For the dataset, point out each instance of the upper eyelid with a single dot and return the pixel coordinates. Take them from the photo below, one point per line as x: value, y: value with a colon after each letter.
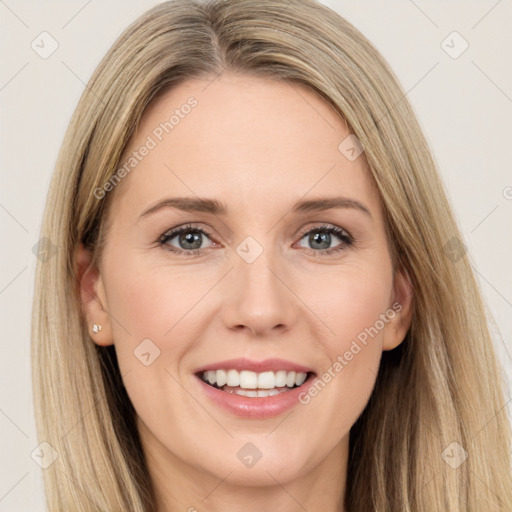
x: 319, y: 225
x: 171, y: 233
x: 324, y: 225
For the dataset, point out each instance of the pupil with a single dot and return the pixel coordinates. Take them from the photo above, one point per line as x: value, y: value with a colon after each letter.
x: 192, y: 237
x: 320, y: 238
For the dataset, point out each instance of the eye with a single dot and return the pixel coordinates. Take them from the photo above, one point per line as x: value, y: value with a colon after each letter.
x: 190, y: 240
x: 320, y: 239
x: 187, y: 239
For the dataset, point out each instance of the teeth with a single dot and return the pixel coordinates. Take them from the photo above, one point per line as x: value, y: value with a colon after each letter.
x: 300, y: 378
x: 220, y: 377
x: 248, y: 380
x: 266, y: 380
x: 233, y: 378
x: 259, y: 393
x: 210, y: 376
x: 281, y: 379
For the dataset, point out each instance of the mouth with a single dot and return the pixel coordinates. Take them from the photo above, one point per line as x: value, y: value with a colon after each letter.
x: 252, y: 384
x: 254, y: 389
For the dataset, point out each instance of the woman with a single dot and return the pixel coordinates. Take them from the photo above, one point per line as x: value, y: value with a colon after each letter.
x: 194, y: 348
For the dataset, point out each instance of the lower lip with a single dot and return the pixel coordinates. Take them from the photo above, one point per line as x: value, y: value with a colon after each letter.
x: 256, y: 407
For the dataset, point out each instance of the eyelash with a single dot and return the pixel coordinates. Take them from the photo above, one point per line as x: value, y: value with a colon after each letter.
x: 344, y: 236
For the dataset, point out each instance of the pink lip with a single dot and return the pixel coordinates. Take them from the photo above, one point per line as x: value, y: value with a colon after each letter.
x: 240, y: 364
x: 257, y: 407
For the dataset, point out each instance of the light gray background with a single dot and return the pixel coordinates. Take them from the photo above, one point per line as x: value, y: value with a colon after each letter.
x: 464, y: 105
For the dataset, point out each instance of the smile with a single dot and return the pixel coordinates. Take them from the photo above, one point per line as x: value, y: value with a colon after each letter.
x: 253, y: 384
x: 254, y: 389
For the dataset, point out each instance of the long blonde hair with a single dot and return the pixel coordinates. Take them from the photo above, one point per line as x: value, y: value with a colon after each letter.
x: 439, y: 387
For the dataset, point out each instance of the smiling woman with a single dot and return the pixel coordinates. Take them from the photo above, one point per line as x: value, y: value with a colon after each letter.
x: 264, y: 310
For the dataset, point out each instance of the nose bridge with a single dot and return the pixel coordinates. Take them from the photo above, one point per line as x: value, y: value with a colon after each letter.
x: 256, y: 277
x: 259, y: 299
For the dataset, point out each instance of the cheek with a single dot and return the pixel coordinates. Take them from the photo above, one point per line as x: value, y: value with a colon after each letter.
x: 157, y: 311
x: 353, y: 308
x: 152, y: 332
x: 153, y: 302
x: 349, y: 301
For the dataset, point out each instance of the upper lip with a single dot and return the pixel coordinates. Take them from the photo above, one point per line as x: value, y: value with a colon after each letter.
x: 240, y: 364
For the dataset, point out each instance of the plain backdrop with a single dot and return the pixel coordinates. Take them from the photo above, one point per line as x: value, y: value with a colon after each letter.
x: 453, y: 59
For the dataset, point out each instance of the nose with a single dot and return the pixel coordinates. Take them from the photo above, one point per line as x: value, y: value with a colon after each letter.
x: 259, y: 297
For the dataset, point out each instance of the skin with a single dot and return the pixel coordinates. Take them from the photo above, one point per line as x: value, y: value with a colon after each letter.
x: 259, y: 145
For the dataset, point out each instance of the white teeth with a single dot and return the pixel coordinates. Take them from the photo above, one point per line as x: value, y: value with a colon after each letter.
x: 233, y: 378
x: 260, y: 393
x: 300, y: 378
x: 248, y: 392
x: 280, y: 379
x: 211, y: 376
x: 248, y: 380
x: 221, y: 377
x: 266, y: 380
x: 270, y: 392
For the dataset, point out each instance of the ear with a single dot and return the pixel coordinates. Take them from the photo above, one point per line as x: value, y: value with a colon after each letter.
x: 402, y: 307
x: 93, y: 297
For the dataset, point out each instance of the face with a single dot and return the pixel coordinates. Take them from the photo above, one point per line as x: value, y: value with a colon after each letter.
x: 273, y: 278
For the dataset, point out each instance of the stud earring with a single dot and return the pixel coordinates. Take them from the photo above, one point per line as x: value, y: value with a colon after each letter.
x: 96, y: 328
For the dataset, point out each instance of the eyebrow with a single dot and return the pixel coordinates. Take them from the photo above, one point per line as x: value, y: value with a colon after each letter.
x: 192, y: 204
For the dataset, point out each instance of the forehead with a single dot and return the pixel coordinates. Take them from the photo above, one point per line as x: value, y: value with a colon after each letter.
x: 248, y: 139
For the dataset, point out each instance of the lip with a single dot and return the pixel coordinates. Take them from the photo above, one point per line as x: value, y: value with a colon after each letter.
x: 256, y: 407
x: 241, y: 363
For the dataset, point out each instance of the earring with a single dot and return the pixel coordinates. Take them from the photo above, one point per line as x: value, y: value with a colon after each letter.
x: 96, y: 328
